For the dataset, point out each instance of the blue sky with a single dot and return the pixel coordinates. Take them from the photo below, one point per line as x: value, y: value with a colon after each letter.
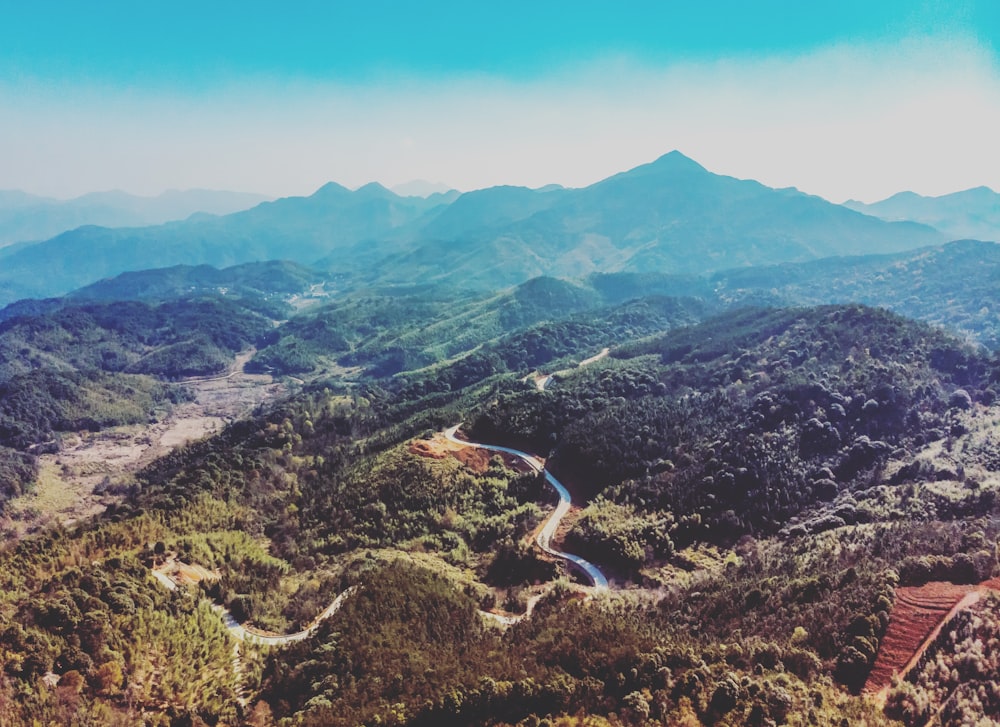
x: 840, y: 99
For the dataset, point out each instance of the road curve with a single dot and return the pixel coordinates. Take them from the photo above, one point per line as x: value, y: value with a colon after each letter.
x: 241, y: 633
x: 545, y: 536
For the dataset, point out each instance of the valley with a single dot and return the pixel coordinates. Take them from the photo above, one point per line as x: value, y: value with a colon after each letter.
x: 500, y: 365
x: 683, y: 492
x: 92, y: 470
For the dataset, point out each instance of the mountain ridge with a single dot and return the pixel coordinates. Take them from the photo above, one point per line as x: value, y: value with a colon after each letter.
x: 671, y: 215
x: 970, y: 213
x: 25, y: 216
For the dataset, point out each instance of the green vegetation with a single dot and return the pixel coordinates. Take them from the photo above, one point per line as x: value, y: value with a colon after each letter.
x: 669, y: 215
x: 761, y: 483
x: 252, y: 283
x: 89, y: 367
x: 115, y: 637
x: 757, y: 485
x: 953, y: 285
x: 464, y: 338
x: 740, y: 424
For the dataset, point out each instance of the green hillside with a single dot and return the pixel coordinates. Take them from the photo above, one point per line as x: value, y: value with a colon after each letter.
x: 670, y: 216
x: 757, y: 486
x: 98, y: 365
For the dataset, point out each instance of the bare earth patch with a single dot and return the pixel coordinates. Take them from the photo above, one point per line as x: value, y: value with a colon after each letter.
x: 917, y: 618
x: 477, y: 460
x: 180, y: 573
x: 93, y: 470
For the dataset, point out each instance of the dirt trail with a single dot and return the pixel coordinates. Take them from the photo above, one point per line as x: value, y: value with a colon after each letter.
x: 254, y: 636
x: 509, y: 619
x: 593, y: 359
x: 541, y: 380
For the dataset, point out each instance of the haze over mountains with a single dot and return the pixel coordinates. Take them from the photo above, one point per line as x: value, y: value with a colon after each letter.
x: 972, y: 213
x: 26, y: 216
x: 422, y: 188
x: 669, y: 216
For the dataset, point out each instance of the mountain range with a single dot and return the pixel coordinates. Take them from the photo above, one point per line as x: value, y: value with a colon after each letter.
x: 26, y: 216
x: 669, y: 216
x: 782, y: 493
x: 973, y: 213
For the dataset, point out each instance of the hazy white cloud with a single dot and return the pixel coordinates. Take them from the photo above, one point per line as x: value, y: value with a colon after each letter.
x: 861, y: 121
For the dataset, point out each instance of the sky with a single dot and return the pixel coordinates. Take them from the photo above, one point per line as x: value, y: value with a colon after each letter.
x: 842, y: 99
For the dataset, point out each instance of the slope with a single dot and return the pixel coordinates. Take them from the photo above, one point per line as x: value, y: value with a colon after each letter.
x: 322, y: 493
x: 28, y: 217
x: 972, y: 213
x: 300, y: 229
x: 670, y: 216
x: 952, y: 285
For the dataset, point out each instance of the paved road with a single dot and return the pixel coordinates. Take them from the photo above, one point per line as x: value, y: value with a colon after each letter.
x: 597, y: 578
x: 243, y: 634
x: 545, y: 536
x: 543, y: 380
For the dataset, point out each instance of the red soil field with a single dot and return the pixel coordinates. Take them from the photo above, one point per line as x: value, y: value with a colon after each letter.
x: 916, y: 617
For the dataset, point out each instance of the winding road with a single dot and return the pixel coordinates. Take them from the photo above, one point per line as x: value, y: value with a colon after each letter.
x: 544, y: 540
x: 241, y: 633
x: 545, y: 536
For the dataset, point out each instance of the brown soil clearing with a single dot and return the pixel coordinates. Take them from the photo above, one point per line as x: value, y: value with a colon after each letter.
x: 917, y: 617
x: 475, y: 458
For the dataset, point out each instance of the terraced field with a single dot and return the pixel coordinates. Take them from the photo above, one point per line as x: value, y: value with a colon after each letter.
x: 917, y: 617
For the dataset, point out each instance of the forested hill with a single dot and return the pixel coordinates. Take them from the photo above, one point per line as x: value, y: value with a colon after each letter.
x: 951, y: 285
x: 277, y: 279
x: 732, y: 419
x: 391, y: 330
x: 388, y: 332
x: 761, y: 482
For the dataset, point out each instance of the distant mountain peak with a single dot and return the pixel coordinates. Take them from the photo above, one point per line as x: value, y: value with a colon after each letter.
x: 331, y: 189
x: 981, y: 192
x: 971, y: 213
x: 675, y: 160
x: 374, y: 189
x: 670, y: 165
x: 907, y: 195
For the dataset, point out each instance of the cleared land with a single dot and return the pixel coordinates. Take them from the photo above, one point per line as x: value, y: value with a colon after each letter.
x: 917, y: 618
x: 93, y: 469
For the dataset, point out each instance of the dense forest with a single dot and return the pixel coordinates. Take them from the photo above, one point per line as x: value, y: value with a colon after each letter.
x: 756, y: 485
